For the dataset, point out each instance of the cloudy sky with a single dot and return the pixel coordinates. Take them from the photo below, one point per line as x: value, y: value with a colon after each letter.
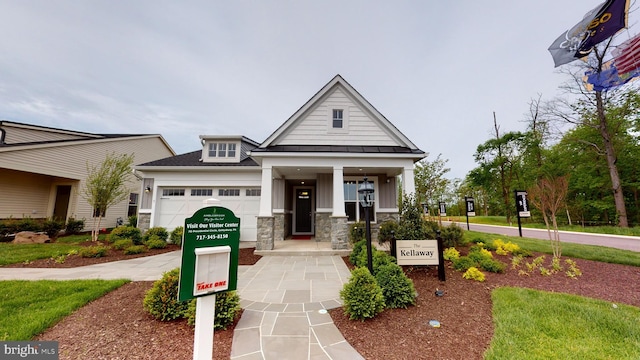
x: 437, y: 70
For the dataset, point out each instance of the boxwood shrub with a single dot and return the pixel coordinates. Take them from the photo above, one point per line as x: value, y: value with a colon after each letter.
x: 397, y: 288
x: 362, y: 296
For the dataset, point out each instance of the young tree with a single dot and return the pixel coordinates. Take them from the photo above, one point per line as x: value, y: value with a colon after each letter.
x: 548, y: 195
x: 431, y: 185
x: 106, y: 185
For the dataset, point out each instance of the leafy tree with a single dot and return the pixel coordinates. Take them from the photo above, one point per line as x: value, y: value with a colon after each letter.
x: 106, y: 185
x: 548, y: 195
x: 430, y: 182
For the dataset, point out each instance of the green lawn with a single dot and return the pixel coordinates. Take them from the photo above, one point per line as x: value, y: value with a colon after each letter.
x: 531, y: 324
x: 18, y: 253
x: 27, y: 308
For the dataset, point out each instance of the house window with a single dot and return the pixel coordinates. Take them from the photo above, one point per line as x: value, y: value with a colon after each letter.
x: 222, y: 150
x: 201, y: 192
x: 229, y: 192
x: 337, y: 118
x: 253, y: 192
x: 133, y: 204
x: 352, y: 207
x: 172, y: 192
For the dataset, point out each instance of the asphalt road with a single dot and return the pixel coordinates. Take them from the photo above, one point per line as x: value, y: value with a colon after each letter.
x: 615, y: 241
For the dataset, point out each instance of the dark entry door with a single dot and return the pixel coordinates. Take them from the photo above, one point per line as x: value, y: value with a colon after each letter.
x: 304, y: 211
x: 63, y: 192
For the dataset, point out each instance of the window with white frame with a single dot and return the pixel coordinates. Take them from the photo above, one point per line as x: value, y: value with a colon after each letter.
x: 229, y: 192
x: 337, y: 119
x: 253, y: 192
x: 172, y: 192
x: 222, y: 150
x: 352, y: 206
x: 201, y: 192
x: 133, y: 204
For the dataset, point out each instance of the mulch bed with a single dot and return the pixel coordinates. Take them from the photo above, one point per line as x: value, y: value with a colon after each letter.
x: 116, y: 327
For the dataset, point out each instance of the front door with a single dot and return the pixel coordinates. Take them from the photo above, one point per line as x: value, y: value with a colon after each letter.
x: 303, y: 212
x: 61, y: 206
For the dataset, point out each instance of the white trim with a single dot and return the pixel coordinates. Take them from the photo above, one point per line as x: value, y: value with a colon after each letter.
x: 338, y: 155
x: 325, y: 210
x: 62, y: 143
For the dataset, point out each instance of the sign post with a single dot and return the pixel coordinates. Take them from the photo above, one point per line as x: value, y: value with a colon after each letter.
x: 209, y: 265
x: 470, y: 208
x: 522, y: 207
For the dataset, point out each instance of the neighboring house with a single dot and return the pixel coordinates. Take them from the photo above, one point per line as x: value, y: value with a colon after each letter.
x: 43, y: 169
x: 300, y: 182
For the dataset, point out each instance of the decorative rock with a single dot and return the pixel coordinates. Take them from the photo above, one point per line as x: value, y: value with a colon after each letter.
x: 29, y: 237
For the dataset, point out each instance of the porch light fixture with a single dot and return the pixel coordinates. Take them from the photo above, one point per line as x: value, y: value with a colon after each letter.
x: 147, y: 189
x: 366, y: 191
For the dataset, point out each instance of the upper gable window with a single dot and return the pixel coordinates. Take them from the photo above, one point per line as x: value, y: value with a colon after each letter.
x: 222, y: 151
x: 337, y: 118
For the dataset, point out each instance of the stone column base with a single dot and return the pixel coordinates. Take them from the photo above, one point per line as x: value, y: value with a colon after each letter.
x: 323, y: 227
x: 265, y: 233
x: 339, y: 233
x: 144, y: 222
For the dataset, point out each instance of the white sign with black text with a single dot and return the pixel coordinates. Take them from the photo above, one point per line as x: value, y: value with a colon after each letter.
x: 417, y: 252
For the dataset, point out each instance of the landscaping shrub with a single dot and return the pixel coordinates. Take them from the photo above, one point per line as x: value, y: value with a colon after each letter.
x: 135, y: 249
x: 122, y: 244
x: 463, y: 263
x: 8, y: 226
x: 521, y: 253
x: 412, y: 225
x: 474, y: 274
x: 450, y: 254
x: 93, y: 251
x: 430, y: 229
x: 52, y: 227
x: 493, y: 266
x: 176, y: 235
x: 387, y: 231
x: 357, y: 232
x: 362, y: 296
x: 28, y: 224
x: 73, y: 226
x: 157, y: 231
x: 161, y: 301
x: 397, y: 288
x: 358, y: 248
x: 452, y: 235
x: 126, y: 232
x: 155, y: 242
x: 227, y: 308
x: 132, y: 221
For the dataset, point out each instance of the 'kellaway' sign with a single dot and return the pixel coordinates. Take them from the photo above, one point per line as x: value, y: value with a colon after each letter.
x: 417, y: 252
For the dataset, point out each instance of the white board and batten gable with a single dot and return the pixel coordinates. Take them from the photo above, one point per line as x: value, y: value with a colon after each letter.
x: 337, y: 116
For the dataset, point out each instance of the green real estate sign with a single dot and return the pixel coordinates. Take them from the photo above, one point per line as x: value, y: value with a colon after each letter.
x: 210, y: 246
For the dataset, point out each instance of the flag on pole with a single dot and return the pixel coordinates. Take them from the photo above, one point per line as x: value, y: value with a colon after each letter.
x: 597, y: 25
x: 627, y: 56
x: 611, y: 18
x: 608, y: 77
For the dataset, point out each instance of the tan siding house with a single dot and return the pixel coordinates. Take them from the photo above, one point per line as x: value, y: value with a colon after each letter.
x: 42, y: 170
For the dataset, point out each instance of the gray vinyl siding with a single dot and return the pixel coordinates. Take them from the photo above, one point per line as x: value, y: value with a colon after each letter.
x: 388, y: 193
x: 24, y: 194
x: 316, y: 127
x: 324, y: 186
x: 16, y: 135
x: 146, y: 197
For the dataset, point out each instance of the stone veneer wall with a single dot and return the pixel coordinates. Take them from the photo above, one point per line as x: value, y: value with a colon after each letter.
x: 279, y: 227
x: 144, y: 222
x: 265, y: 233
x: 382, y: 217
x: 323, y: 227
x: 339, y: 233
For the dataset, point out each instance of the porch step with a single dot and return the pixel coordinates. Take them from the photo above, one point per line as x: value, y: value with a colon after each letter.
x: 302, y: 252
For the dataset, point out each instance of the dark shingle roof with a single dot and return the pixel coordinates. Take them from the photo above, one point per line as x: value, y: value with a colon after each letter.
x: 193, y: 159
x: 340, y: 149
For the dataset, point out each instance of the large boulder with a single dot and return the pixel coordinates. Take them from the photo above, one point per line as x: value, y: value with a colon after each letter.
x: 29, y: 237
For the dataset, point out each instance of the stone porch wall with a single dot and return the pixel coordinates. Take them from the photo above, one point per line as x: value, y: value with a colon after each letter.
x: 323, y: 227
x: 144, y: 222
x: 265, y: 233
x: 339, y: 233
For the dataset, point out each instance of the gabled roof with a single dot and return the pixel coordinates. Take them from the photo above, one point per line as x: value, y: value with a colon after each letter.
x: 52, y: 137
x: 338, y: 82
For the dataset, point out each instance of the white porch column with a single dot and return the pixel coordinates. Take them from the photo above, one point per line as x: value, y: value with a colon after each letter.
x: 408, y: 182
x: 266, y: 192
x: 338, y: 192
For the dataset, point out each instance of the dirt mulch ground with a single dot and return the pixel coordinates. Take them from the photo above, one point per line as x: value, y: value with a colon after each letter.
x: 116, y: 327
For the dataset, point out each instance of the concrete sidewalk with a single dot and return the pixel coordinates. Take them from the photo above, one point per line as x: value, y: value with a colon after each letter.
x: 284, y: 298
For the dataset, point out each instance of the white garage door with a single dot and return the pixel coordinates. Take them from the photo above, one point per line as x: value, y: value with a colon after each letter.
x: 176, y: 204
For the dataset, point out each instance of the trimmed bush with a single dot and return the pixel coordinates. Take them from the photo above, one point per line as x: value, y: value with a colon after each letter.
x: 155, y: 242
x: 161, y: 301
x: 176, y: 235
x: 358, y: 248
x: 493, y: 266
x: 52, y: 227
x: 362, y: 296
x: 125, y: 232
x: 227, y: 309
x: 28, y: 224
x: 93, y: 251
x: 387, y: 231
x: 122, y: 244
x: 474, y: 274
x: 452, y: 235
x: 132, y: 221
x: 463, y: 263
x: 397, y: 288
x: 450, y: 254
x: 357, y: 232
x: 135, y: 249
x: 157, y: 231
x: 74, y: 226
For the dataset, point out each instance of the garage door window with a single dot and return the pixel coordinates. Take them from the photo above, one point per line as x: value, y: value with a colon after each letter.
x: 253, y: 192
x: 229, y: 192
x: 201, y: 192
x: 172, y: 192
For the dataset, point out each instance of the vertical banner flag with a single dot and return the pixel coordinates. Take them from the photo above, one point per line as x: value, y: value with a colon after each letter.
x: 471, y: 207
x: 522, y: 204
x: 596, y: 25
x: 627, y: 56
